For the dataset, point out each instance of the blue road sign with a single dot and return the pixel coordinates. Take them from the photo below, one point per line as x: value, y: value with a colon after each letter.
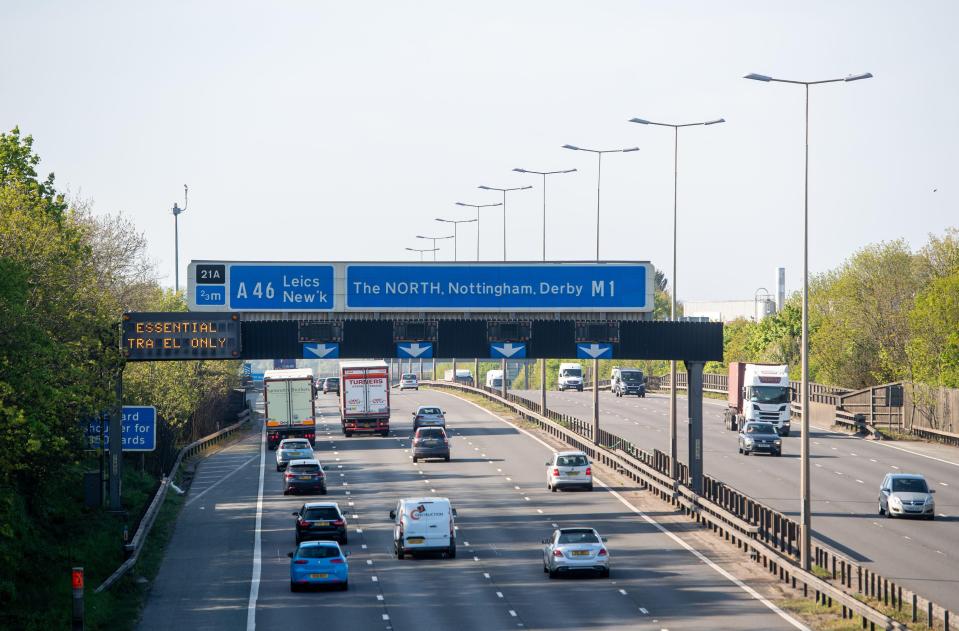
x: 592, y: 350
x: 139, y: 429
x: 256, y: 376
x: 319, y: 350
x: 507, y: 350
x: 281, y: 287
x: 503, y: 287
x: 414, y: 350
x: 247, y: 369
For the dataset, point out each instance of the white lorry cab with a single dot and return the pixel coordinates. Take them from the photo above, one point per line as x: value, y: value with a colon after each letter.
x: 424, y: 524
x: 759, y: 392
x: 570, y: 377
x: 494, y: 379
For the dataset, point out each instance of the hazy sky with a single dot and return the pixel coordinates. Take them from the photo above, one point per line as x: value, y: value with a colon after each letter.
x: 340, y: 130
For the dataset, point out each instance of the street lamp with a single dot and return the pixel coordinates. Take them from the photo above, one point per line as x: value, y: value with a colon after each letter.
x: 477, y: 207
x: 544, y: 174
x: 176, y: 238
x: 599, y: 176
x: 421, y: 250
x: 456, y: 223
x: 434, y: 240
x: 672, y: 304
x: 504, y: 191
x: 804, y: 538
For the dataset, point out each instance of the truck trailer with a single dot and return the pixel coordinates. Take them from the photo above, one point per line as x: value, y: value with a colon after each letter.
x: 289, y: 408
x: 365, y: 398
x: 758, y: 392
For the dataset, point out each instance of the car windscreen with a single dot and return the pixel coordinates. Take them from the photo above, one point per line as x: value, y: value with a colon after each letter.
x: 909, y: 485
x: 297, y: 445
x: 409, y: 376
x: 578, y: 536
x: 769, y: 394
x: 333, y: 381
x: 327, y: 513
x: 572, y: 372
x: 430, y: 433
x: 430, y: 411
x: 318, y: 552
x: 305, y: 468
x: 760, y: 428
x: 571, y: 461
x: 631, y: 376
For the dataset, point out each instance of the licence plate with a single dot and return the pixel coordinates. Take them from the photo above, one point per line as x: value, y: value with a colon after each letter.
x: 306, y: 477
x: 580, y: 553
x: 415, y: 540
x: 572, y: 473
x: 321, y: 523
x: 319, y: 575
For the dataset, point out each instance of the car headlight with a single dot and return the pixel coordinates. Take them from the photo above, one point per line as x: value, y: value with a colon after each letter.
x: 777, y: 442
x: 748, y: 441
x: 928, y: 500
x: 895, y: 501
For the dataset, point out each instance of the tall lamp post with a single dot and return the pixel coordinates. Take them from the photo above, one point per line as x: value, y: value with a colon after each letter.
x: 421, y: 250
x: 599, y: 177
x: 544, y: 174
x: 672, y: 303
x: 804, y: 537
x: 456, y: 223
x: 434, y: 240
x: 504, y: 191
x: 176, y: 238
x: 477, y: 207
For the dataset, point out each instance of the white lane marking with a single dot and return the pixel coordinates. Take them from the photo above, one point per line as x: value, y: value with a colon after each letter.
x: 709, y: 562
x: 916, y: 453
x: 379, y: 596
x: 539, y: 510
x: 485, y: 574
x: 516, y: 487
x: 851, y: 454
x: 257, y: 542
x: 215, y: 484
x: 363, y: 546
x: 860, y: 481
x: 894, y: 467
x: 872, y: 460
x: 369, y: 561
x: 476, y: 558
x: 623, y: 592
x: 512, y: 613
x: 526, y: 498
x: 643, y: 611
x: 554, y: 525
x: 386, y: 616
x: 499, y: 594
x: 943, y: 484
x: 375, y: 579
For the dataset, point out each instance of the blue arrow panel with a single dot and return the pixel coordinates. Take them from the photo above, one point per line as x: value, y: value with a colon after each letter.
x: 507, y: 350
x: 414, y: 350
x: 319, y: 350
x: 592, y: 350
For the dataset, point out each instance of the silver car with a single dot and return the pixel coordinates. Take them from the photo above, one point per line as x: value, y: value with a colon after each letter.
x: 906, y: 494
x: 569, y: 469
x: 575, y: 550
x: 428, y: 416
x: 292, y: 449
x: 410, y: 381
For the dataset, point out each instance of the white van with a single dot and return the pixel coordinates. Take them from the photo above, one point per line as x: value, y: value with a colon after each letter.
x: 494, y: 379
x: 570, y: 377
x: 424, y: 524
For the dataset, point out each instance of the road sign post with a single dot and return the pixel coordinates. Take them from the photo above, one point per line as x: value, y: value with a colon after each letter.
x: 595, y: 401
x: 504, y: 388
x: 694, y: 394
x: 116, y: 447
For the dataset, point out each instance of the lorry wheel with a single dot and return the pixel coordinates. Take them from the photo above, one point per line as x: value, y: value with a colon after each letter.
x: 384, y: 434
x: 785, y: 434
x: 348, y: 434
x: 414, y: 458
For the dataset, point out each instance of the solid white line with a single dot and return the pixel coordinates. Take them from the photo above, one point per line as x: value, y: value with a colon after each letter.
x: 257, y: 542
x: 709, y: 562
x: 215, y: 484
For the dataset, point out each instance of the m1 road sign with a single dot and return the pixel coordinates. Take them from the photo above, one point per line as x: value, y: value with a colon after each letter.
x: 424, y: 287
x: 139, y: 429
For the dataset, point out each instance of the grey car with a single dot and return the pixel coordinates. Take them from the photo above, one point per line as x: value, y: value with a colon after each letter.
x: 760, y: 438
x: 571, y: 550
x: 431, y: 442
x: 905, y: 495
x: 428, y: 416
x: 292, y: 449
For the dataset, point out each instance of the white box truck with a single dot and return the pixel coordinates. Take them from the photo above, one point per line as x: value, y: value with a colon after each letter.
x: 494, y: 379
x: 570, y: 377
x: 365, y: 398
x: 758, y: 392
x: 289, y: 408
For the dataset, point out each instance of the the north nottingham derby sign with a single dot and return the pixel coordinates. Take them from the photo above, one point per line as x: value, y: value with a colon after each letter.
x: 435, y: 287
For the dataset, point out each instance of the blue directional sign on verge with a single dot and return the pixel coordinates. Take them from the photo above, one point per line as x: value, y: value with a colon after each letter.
x: 247, y: 369
x: 139, y: 429
x: 414, y: 350
x: 593, y: 350
x: 256, y: 376
x: 507, y: 350
x: 319, y: 350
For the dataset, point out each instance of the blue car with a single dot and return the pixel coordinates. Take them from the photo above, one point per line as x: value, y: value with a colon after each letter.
x: 319, y: 563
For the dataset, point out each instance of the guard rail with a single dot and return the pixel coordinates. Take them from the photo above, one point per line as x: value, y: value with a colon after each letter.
x: 135, y: 546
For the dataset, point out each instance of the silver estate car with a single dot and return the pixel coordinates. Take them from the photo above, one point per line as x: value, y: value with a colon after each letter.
x: 575, y: 549
x: 906, y: 494
x: 292, y: 449
x: 569, y: 469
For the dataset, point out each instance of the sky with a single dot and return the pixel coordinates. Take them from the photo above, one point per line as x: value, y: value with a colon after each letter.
x: 338, y: 131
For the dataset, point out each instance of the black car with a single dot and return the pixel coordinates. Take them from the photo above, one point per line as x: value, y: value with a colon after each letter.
x: 331, y: 384
x: 760, y: 438
x: 304, y: 476
x: 431, y: 442
x: 320, y: 520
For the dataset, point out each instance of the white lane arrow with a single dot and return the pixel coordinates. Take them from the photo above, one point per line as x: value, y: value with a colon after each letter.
x: 508, y: 350
x: 415, y: 350
x: 594, y: 350
x: 321, y: 350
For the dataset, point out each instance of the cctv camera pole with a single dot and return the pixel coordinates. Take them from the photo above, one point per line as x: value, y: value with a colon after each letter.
x: 176, y: 238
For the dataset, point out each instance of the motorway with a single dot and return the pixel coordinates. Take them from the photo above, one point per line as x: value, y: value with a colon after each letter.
x: 208, y: 578
x: 845, y: 476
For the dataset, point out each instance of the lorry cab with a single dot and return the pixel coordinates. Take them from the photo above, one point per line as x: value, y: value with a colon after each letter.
x: 494, y: 379
x: 424, y: 524
x: 759, y: 392
x: 570, y: 377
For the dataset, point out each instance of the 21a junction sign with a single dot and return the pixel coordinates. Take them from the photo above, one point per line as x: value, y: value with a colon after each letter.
x: 149, y: 336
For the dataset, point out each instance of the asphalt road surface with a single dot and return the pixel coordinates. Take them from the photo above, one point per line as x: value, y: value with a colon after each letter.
x: 845, y: 476
x: 495, y: 480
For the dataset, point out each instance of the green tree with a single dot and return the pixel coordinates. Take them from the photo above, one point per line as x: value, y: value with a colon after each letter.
x: 933, y: 346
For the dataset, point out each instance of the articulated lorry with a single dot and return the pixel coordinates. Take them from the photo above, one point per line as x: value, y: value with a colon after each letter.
x: 758, y: 392
x: 365, y: 398
x: 289, y: 407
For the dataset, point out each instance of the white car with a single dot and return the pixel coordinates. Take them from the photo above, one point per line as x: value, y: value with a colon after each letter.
x: 292, y: 449
x: 575, y: 549
x: 410, y: 381
x: 569, y: 469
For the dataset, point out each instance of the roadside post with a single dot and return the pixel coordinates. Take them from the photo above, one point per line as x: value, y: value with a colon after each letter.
x: 76, y: 578
x: 694, y: 394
